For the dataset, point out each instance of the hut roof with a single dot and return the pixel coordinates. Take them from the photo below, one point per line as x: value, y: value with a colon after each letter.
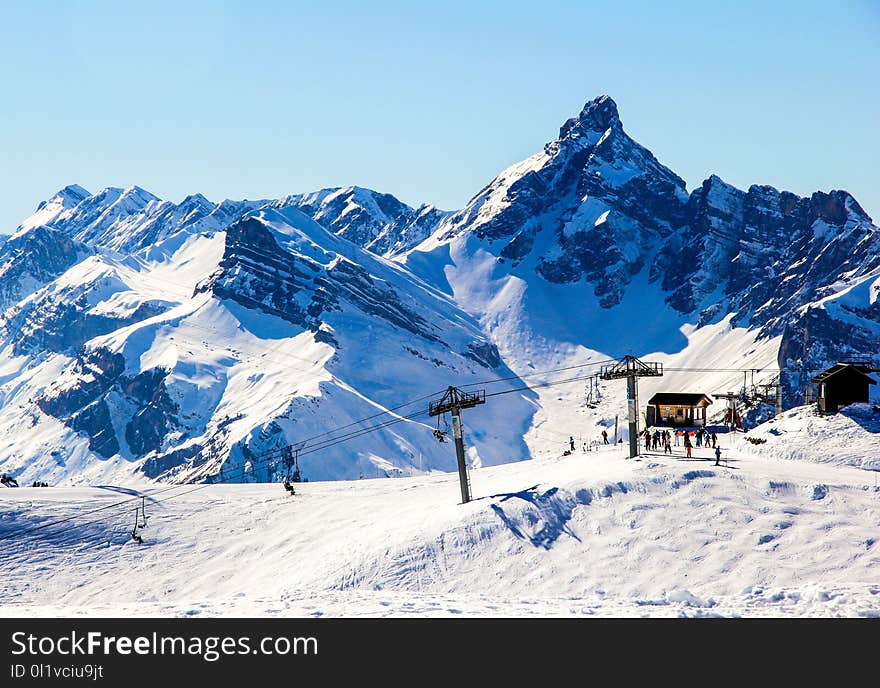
x: 679, y: 399
x: 840, y: 367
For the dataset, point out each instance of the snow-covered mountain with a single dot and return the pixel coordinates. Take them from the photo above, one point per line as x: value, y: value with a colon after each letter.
x: 376, y: 221
x: 148, y: 339
x: 594, y: 243
x: 206, y: 349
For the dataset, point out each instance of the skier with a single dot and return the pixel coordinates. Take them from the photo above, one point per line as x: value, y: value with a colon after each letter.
x: 571, y: 442
x: 647, y: 440
x: 714, y: 440
x: 585, y: 447
x: 677, y: 438
x: 717, y: 456
x: 667, y: 443
x: 687, y: 443
x: 605, y: 436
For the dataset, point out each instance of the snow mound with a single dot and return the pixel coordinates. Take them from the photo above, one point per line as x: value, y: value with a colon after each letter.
x: 848, y: 438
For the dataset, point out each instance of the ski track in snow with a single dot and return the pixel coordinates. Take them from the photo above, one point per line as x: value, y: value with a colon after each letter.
x: 592, y: 534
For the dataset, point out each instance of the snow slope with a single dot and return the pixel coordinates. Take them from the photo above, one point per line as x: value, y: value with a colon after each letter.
x: 589, y: 534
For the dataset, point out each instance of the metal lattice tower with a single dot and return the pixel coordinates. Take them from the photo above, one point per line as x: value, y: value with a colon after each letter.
x: 452, y: 402
x: 632, y: 369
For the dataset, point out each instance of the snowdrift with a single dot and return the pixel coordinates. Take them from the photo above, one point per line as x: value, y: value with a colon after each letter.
x: 848, y: 438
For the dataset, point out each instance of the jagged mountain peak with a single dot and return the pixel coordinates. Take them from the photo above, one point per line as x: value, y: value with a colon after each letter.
x: 372, y: 219
x: 74, y: 193
x: 64, y: 200
x: 836, y: 205
x: 593, y: 203
x: 597, y: 115
x: 138, y: 192
x: 197, y: 198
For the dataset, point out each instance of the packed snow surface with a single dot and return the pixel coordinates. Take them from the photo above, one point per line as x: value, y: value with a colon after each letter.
x: 848, y: 438
x: 592, y: 533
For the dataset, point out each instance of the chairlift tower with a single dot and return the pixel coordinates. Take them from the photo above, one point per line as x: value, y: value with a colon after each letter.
x: 632, y: 369
x: 452, y: 402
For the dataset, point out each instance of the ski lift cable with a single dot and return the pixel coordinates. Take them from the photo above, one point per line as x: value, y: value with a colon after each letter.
x: 273, y: 454
x: 270, y: 455
x: 335, y: 440
x: 321, y: 446
x: 165, y: 490
x: 200, y: 486
x: 591, y: 364
x: 316, y: 448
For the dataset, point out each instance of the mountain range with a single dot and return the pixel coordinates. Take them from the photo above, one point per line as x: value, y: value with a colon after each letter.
x: 150, y: 340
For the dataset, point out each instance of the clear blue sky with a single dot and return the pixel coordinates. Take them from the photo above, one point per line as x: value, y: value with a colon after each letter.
x: 426, y: 100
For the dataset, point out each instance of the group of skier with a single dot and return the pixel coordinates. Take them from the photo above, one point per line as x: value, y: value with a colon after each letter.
x: 681, y: 438
x: 657, y: 440
x: 570, y: 451
x: 687, y: 438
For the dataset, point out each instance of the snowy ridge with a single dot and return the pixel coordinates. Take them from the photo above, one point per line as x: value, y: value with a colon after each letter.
x: 376, y: 221
x: 232, y: 344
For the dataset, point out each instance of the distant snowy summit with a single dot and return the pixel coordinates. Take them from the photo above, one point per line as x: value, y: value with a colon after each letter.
x: 126, y: 220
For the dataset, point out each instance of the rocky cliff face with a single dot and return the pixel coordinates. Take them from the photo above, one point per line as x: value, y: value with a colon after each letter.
x: 257, y: 272
x: 407, y: 231
x: 98, y: 397
x: 763, y: 253
x: 32, y: 258
x: 596, y: 208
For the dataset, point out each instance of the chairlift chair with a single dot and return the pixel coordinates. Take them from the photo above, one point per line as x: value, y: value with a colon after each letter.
x: 297, y: 476
x: 134, y: 531
x: 441, y: 434
x: 143, y: 513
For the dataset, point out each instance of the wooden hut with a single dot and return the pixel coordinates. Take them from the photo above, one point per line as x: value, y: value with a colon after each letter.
x: 842, y: 384
x: 678, y: 409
